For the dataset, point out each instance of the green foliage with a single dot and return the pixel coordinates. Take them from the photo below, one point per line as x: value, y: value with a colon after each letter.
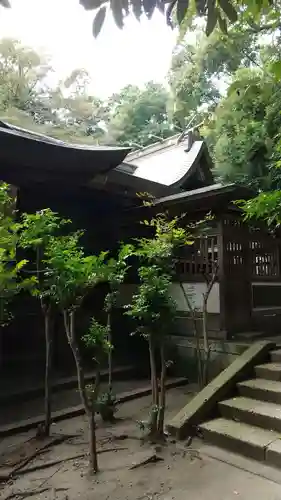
x: 71, y: 273
x: 244, y: 132
x: 265, y: 207
x: 116, y: 272
x: 35, y: 232
x: 218, y: 13
x: 69, y: 111
x: 138, y: 117
x: 152, y: 306
x: 198, y: 66
x: 37, y: 229
x: 97, y: 337
x: 11, y: 280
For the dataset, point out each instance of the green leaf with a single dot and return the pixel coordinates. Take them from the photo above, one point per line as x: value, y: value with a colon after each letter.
x: 212, y: 17
x: 137, y: 8
x: 90, y: 4
x: 149, y: 7
x: 125, y: 6
x: 160, y: 6
x: 182, y: 6
x: 200, y: 6
x: 275, y: 69
x: 222, y: 23
x: 5, y: 3
x: 228, y: 9
x: 116, y: 7
x: 98, y: 21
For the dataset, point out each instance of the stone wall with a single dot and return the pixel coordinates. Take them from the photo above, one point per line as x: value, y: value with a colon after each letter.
x: 182, y: 352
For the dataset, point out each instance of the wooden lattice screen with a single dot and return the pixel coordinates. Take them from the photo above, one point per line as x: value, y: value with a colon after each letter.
x: 200, y: 258
x: 250, y: 251
x: 247, y: 253
x: 264, y: 256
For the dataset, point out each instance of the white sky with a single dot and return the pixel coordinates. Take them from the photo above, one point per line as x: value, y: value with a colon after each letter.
x: 138, y: 53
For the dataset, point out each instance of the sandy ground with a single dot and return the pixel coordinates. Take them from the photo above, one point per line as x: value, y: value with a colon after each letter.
x: 187, y: 472
x: 60, y: 400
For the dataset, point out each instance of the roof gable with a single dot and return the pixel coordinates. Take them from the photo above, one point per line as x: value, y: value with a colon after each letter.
x: 180, y: 162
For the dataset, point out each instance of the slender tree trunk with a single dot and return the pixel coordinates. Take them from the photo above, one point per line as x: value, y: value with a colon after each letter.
x: 48, y: 369
x: 110, y: 350
x: 93, y: 442
x: 205, y: 340
x: 92, y: 427
x: 162, y: 400
x: 69, y: 324
x: 196, y: 336
x: 154, y: 388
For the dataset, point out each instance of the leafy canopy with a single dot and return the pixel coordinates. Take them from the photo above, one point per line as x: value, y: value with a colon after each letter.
x: 116, y: 270
x: 153, y: 306
x: 11, y: 280
x: 72, y: 274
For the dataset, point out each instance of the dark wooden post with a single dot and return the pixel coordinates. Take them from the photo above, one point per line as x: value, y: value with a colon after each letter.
x: 222, y: 277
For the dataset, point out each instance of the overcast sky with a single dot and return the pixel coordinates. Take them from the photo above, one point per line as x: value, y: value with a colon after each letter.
x: 139, y: 53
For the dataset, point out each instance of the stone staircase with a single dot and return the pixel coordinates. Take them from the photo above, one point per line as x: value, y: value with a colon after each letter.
x: 250, y: 423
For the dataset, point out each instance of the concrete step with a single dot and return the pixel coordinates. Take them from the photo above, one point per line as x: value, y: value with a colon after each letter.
x: 276, y: 356
x: 249, y: 336
x: 238, y: 437
x: 253, y: 412
x: 262, y: 389
x: 269, y: 371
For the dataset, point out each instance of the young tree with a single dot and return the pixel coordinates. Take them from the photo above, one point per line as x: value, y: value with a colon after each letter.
x: 210, y: 279
x: 152, y: 306
x: 35, y: 231
x: 72, y: 275
x: 97, y: 340
x: 116, y: 273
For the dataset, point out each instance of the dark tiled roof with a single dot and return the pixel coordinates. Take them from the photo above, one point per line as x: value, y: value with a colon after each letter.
x: 204, y: 192
x: 26, y: 156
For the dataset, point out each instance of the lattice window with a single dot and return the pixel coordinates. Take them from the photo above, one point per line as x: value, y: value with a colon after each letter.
x: 234, y: 257
x: 264, y: 257
x: 200, y: 258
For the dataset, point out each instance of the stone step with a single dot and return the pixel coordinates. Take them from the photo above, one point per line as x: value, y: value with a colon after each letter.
x: 269, y: 371
x: 262, y: 389
x: 238, y: 437
x: 253, y: 412
x: 276, y: 356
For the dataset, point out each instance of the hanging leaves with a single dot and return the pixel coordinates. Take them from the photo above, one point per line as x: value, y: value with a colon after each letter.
x: 125, y: 6
x: 182, y: 6
x: 160, y: 5
x: 137, y: 8
x: 5, y: 3
x: 91, y: 4
x: 228, y: 9
x: 149, y: 7
x: 222, y: 23
x: 98, y: 21
x: 212, y: 17
x: 116, y: 7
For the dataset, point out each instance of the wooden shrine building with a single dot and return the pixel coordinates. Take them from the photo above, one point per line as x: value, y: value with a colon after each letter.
x: 97, y: 188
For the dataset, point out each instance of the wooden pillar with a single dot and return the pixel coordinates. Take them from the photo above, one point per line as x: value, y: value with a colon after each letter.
x: 236, y: 276
x: 222, y: 277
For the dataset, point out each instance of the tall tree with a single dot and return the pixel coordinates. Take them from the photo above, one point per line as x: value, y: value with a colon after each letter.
x: 200, y: 71
x: 245, y: 128
x: 138, y: 117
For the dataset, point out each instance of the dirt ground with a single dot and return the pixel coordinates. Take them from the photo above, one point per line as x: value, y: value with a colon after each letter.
x: 187, y: 471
